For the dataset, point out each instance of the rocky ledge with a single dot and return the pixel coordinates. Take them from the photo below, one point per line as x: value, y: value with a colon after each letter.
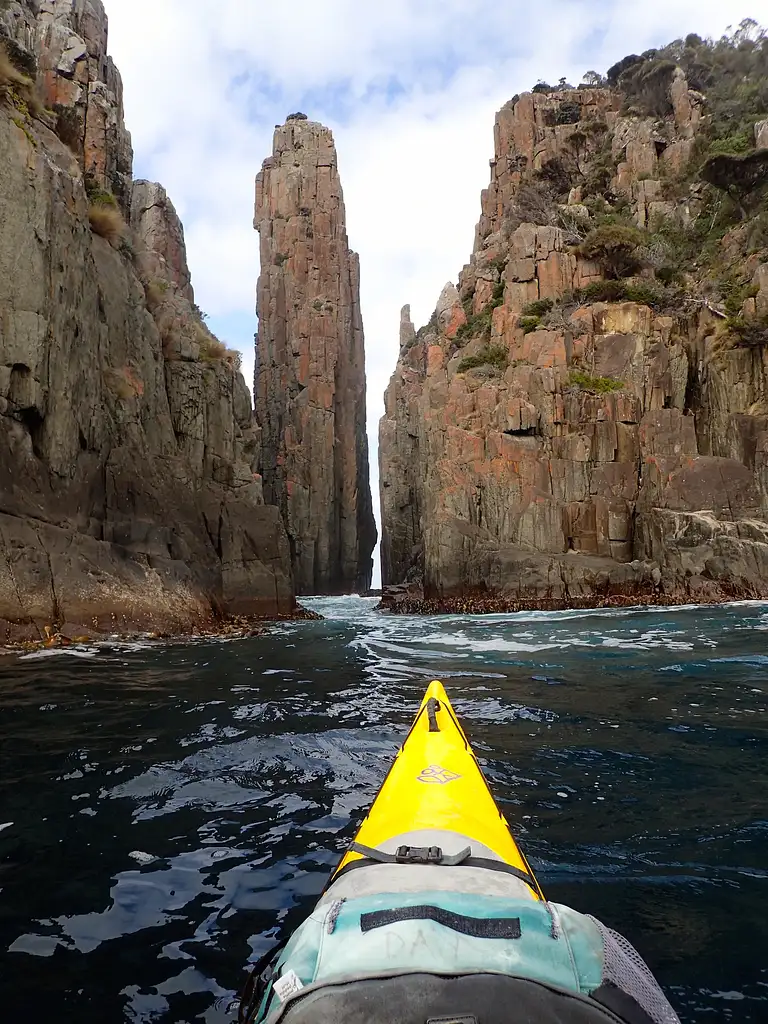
x: 641, y: 584
x: 231, y: 628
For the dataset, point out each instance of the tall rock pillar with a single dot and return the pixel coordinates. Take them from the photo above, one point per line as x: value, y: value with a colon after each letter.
x: 310, y: 364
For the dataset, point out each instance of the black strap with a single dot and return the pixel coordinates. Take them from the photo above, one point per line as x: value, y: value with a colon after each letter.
x: 433, y: 706
x: 413, y: 855
x: 621, y: 1003
x: 477, y: 927
x: 256, y: 984
x: 373, y: 856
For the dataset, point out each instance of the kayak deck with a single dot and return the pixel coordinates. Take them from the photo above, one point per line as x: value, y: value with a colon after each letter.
x: 435, y: 784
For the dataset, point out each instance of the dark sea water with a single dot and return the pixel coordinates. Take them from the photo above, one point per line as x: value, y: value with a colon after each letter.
x: 167, y: 812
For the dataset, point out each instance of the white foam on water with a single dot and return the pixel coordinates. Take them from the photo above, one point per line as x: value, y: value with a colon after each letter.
x: 56, y: 652
x: 141, y: 857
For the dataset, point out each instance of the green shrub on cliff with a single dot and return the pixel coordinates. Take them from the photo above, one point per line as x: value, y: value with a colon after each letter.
x: 739, y: 175
x: 615, y: 247
x: 477, y: 325
x: 529, y: 323
x: 646, y: 87
x: 97, y: 195
x: 532, y: 314
x: 733, y: 74
x: 539, y: 307
x: 741, y: 140
x: 669, y: 275
x: 602, y: 291
x: 735, y: 293
x: 749, y: 332
x: 731, y: 71
x: 644, y: 293
x: 494, y: 356
x: 698, y: 243
x: 595, y: 385
x: 601, y: 169
x: 739, y: 332
x: 535, y: 202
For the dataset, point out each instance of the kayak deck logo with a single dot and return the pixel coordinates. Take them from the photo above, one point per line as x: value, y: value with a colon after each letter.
x: 436, y: 775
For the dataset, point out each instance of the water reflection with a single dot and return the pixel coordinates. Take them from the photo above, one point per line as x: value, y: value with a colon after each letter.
x: 166, y: 812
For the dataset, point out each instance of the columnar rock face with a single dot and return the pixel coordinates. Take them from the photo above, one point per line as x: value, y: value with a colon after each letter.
x: 548, y: 449
x: 310, y: 364
x: 129, y: 496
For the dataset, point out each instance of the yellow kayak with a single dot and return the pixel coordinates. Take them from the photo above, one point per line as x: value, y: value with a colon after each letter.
x: 434, y: 915
x: 436, y: 784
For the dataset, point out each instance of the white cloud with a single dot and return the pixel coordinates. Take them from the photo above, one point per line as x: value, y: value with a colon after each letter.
x: 410, y: 89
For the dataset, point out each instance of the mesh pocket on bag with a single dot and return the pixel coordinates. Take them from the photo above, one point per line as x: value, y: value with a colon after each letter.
x: 625, y: 968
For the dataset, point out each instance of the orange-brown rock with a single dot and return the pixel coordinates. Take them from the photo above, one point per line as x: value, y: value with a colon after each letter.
x: 603, y: 453
x: 310, y: 364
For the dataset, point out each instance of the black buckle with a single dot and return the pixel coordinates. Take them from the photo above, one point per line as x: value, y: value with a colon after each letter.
x: 418, y: 855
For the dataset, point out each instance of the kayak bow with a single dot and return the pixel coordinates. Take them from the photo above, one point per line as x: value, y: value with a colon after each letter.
x: 434, y: 915
x: 436, y: 788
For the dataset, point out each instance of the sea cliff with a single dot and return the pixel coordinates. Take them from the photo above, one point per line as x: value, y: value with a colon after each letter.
x: 130, y: 486
x: 584, y: 419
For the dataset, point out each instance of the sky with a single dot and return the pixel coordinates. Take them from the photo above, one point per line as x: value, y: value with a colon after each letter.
x: 409, y: 88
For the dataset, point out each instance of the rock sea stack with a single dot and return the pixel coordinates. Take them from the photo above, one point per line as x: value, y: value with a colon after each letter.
x: 310, y: 365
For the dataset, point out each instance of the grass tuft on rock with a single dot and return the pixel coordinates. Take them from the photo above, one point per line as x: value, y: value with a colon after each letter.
x: 533, y: 313
x: 107, y: 222
x: 595, y: 385
x: 212, y: 350
x: 10, y: 76
x: 19, y: 88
